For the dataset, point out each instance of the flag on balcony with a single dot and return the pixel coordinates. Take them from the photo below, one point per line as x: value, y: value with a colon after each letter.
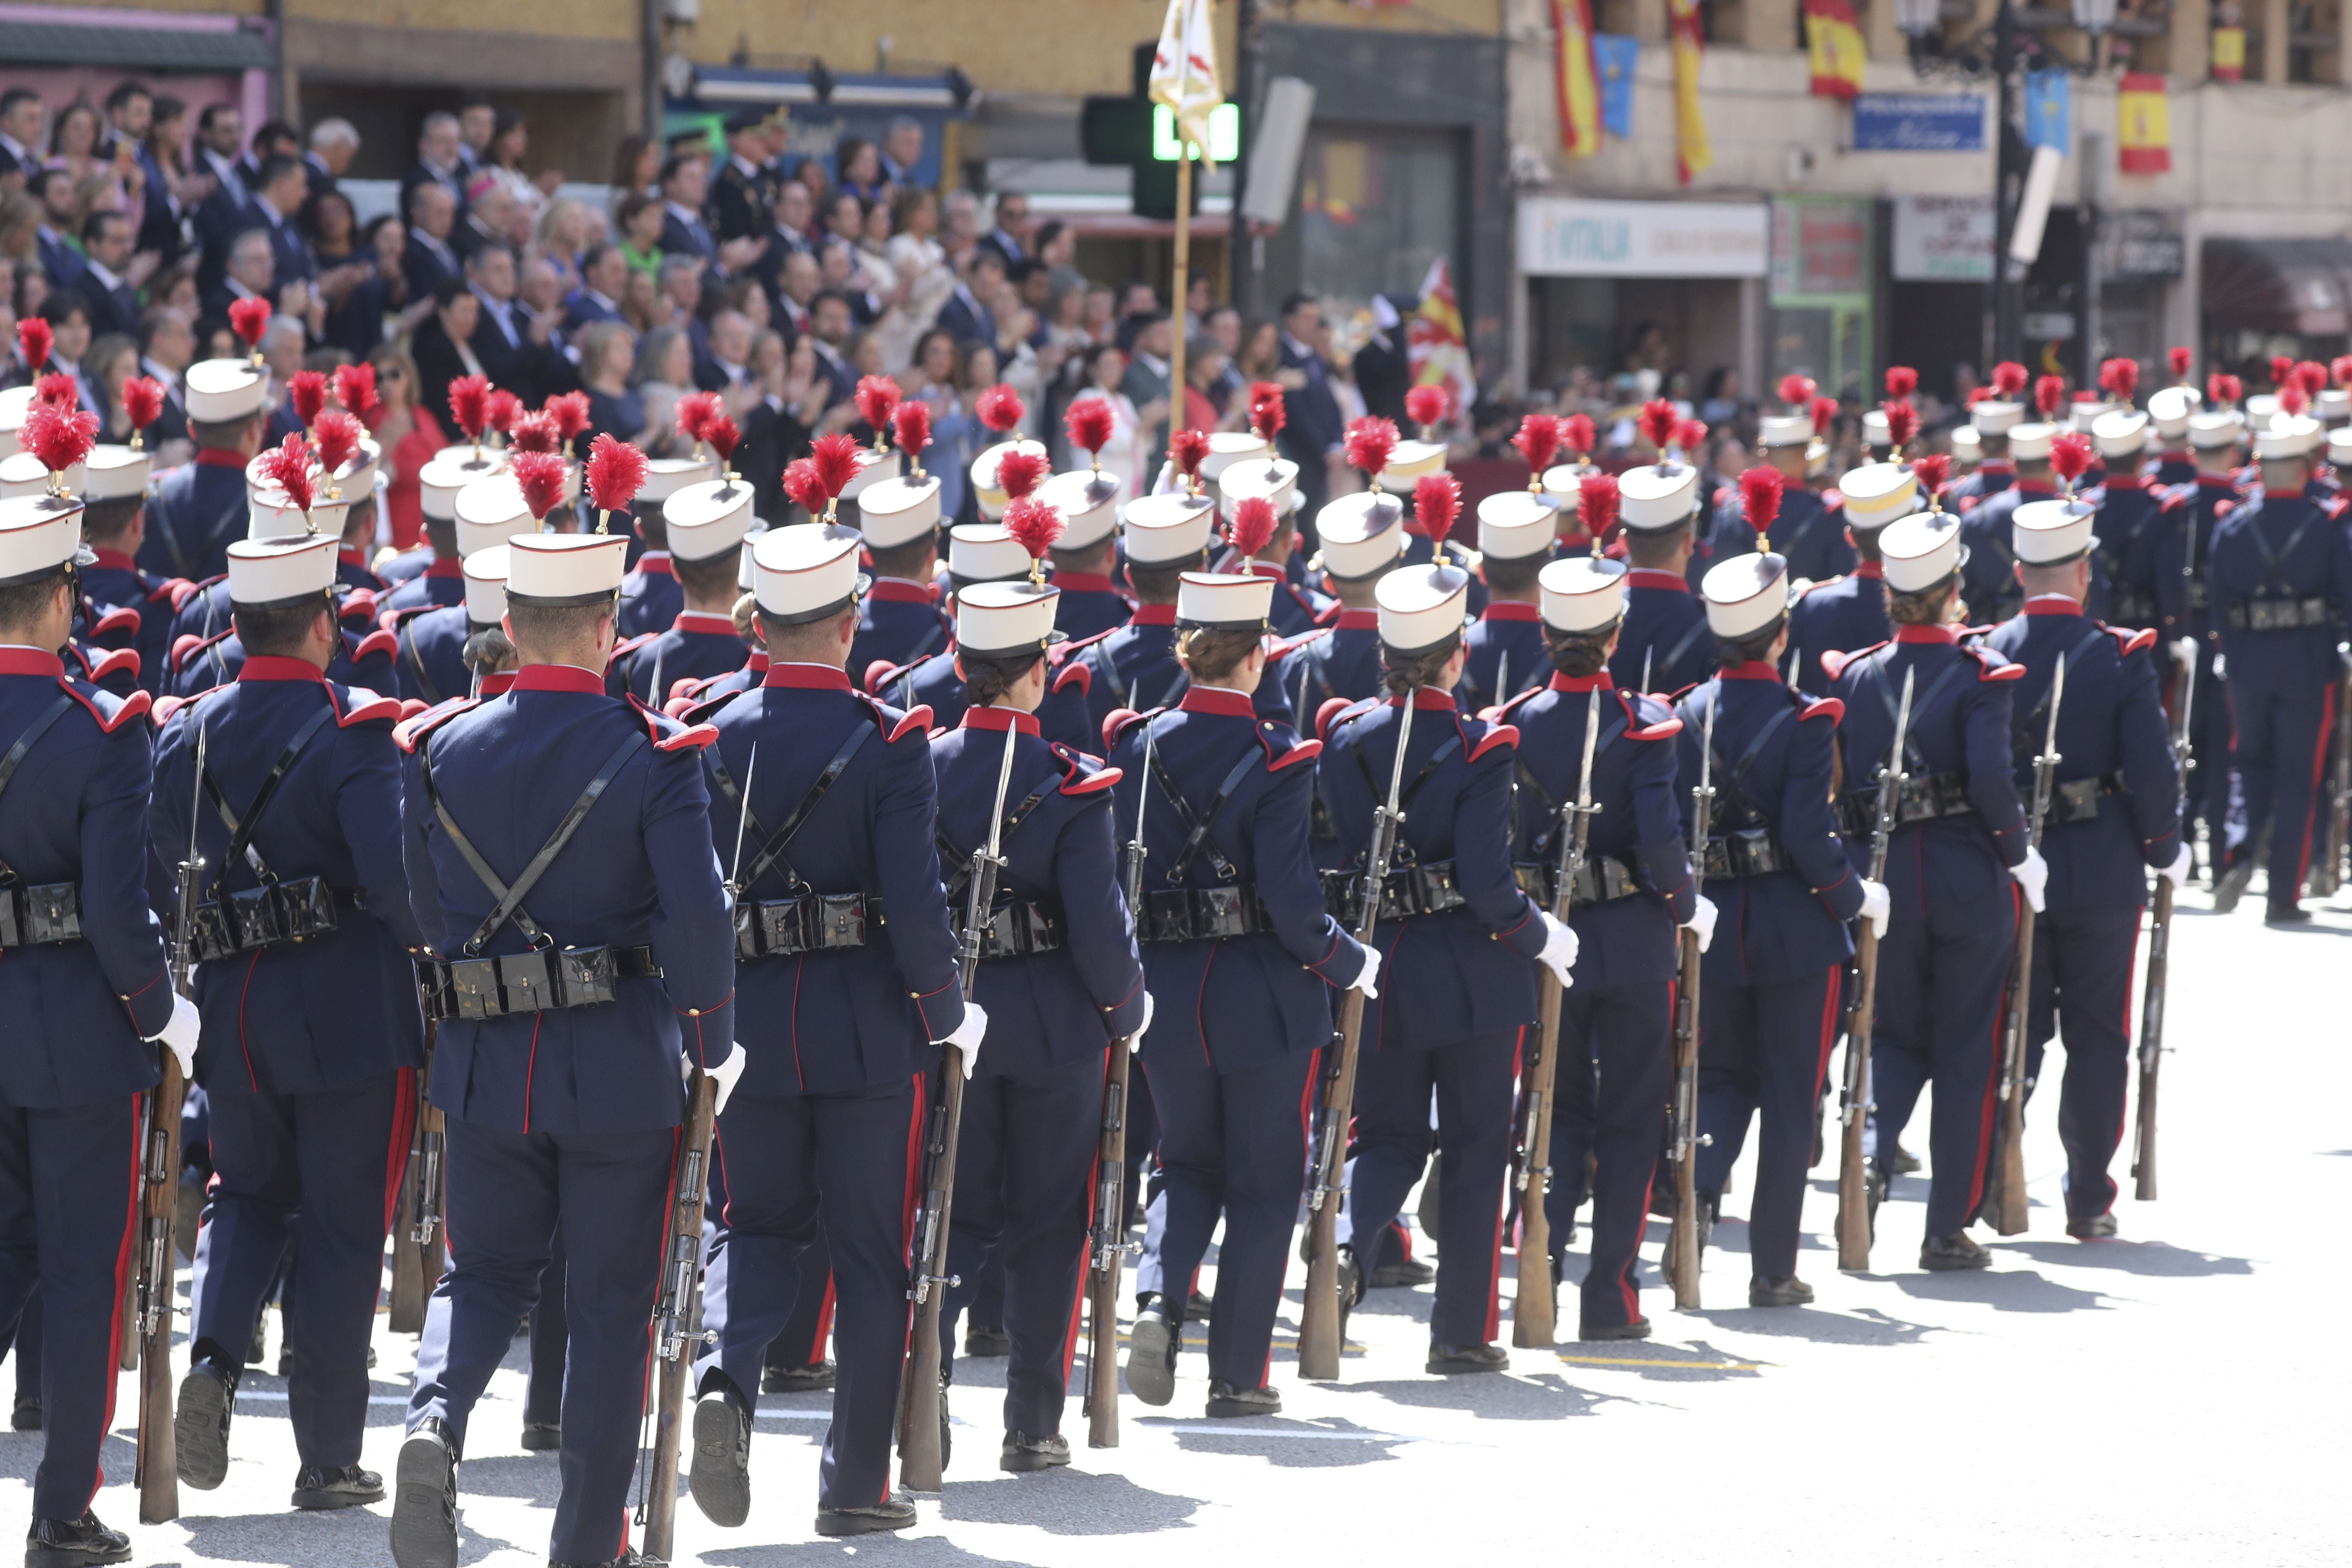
x: 2142, y: 124
x: 1437, y: 353
x: 2229, y: 54
x: 1578, y: 77
x: 1617, y: 56
x: 1693, y: 156
x: 1834, y: 42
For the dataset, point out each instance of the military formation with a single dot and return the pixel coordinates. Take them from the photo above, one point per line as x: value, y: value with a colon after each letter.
x: 716, y: 939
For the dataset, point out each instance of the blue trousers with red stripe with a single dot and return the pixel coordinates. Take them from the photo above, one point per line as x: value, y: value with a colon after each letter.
x: 67, y: 1181
x: 1763, y: 1051
x: 509, y: 1193
x: 1024, y: 1190
x: 1231, y: 1144
x: 318, y: 1171
x: 2279, y: 749
x: 1609, y: 1104
x: 2082, y: 961
x: 859, y: 1154
x: 1473, y: 1082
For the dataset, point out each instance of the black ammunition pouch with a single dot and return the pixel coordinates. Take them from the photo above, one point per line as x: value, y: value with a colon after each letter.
x: 2278, y: 615
x: 539, y: 981
x: 813, y: 923
x: 1016, y: 928
x: 1748, y: 852
x: 1204, y: 914
x: 40, y: 916
x: 1601, y: 879
x: 2078, y: 801
x: 266, y: 916
x: 2133, y: 607
x: 1406, y: 891
x: 1928, y: 798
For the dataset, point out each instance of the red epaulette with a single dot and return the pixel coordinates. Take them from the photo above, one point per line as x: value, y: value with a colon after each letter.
x: 665, y: 733
x: 1823, y: 707
x: 1118, y: 720
x: 182, y: 590
x: 2123, y: 481
x: 1070, y: 650
x: 376, y: 642
x: 876, y: 671
x: 2334, y: 506
x: 1074, y: 672
x: 409, y: 733
x: 1993, y: 666
x: 1833, y: 663
x: 166, y: 709
x: 107, y: 666
x: 189, y: 645
x: 702, y: 710
x: 357, y: 705
x: 1282, y: 745
x: 116, y: 620
x: 1331, y: 709
x: 168, y: 589
x: 1637, y: 728
x: 875, y: 679
x: 410, y: 707
x: 111, y: 713
x: 1498, y: 735
x: 1083, y: 774
x: 915, y: 720
x: 358, y: 605
x: 1501, y: 710
x: 2128, y: 641
x: 626, y: 646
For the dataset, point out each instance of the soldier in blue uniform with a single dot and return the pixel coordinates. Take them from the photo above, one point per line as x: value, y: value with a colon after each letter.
x: 1992, y: 418
x: 2281, y: 572
x: 1768, y: 996
x: 842, y: 1016
x: 199, y: 662
x: 1223, y: 795
x: 1809, y: 534
x: 1086, y: 554
x: 1616, y: 1021
x: 650, y: 596
x: 1988, y: 576
x: 2168, y: 412
x: 1298, y: 609
x: 1060, y: 980
x: 85, y: 986
x: 559, y: 858
x: 1850, y: 612
x: 2176, y: 546
x: 123, y: 604
x: 1663, y: 639
x: 2126, y: 501
x: 900, y: 618
x: 311, y: 1035
x: 985, y: 552
x: 198, y: 510
x: 430, y: 663
x: 1424, y: 545
x: 442, y: 582
x: 705, y: 525
x: 1362, y: 539
x: 1959, y: 843
x: 2113, y: 815
x: 1456, y: 933
x: 1505, y: 647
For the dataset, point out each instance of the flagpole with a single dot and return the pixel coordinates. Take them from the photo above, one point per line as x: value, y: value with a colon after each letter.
x: 1183, y: 287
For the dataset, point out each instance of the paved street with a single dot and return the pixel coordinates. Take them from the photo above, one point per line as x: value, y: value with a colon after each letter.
x: 2173, y: 1396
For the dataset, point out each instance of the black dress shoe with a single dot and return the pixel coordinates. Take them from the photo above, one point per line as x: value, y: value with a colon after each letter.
x: 1226, y: 1400
x: 1906, y: 1164
x: 1788, y: 1292
x: 2232, y: 886
x: 259, y: 1350
x: 891, y: 1513
x: 632, y: 1558
x: 987, y: 1340
x: 1151, y: 1347
x: 1198, y: 1307
x: 2098, y: 1227
x: 1393, y: 1276
x: 796, y: 1379
x: 26, y: 1418
x: 1639, y: 1329
x: 721, y: 1474
x: 1023, y: 1453
x: 74, y: 1543
x: 425, y: 1503
x: 1451, y: 1359
x: 1708, y: 1205
x: 338, y: 1486
x: 200, y: 1426
x: 539, y: 1436
x: 2286, y: 915
x: 1942, y: 1254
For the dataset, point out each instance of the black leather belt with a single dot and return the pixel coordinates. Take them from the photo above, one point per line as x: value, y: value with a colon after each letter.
x: 539, y: 981
x: 2078, y: 800
x: 2194, y: 597
x: 1751, y: 852
x: 1601, y: 879
x: 2278, y: 615
x: 2132, y: 607
x: 813, y: 923
x: 1924, y: 799
x: 40, y: 916
x: 1204, y: 914
x: 266, y: 916
x: 1017, y: 928
x: 1408, y: 890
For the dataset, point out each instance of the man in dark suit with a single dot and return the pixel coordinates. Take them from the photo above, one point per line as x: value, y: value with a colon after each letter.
x: 792, y: 292
x: 167, y: 344
x: 604, y: 274
x: 1314, y: 429
x: 430, y: 260
x: 966, y: 313
x: 1010, y: 238
x: 684, y: 181
x: 1383, y: 373
x: 249, y: 272
x: 20, y: 136
x: 829, y: 324
x: 280, y: 190
x: 487, y: 218
x: 106, y: 244
x: 221, y: 215
x: 513, y: 348
x: 742, y: 193
x: 53, y: 188
x: 438, y: 151
x: 333, y: 145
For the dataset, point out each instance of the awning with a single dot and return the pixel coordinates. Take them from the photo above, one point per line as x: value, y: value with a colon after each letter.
x: 163, y: 49
x: 943, y: 91
x: 2296, y: 285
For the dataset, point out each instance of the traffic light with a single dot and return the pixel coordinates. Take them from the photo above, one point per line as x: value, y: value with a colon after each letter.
x: 1141, y: 134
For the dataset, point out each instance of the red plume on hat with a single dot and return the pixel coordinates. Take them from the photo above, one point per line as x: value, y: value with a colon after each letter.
x: 1427, y: 405
x: 804, y: 489
x: 355, y: 388
x: 2340, y: 368
x: 2119, y: 378
x: 2049, y: 395
x: 2070, y: 455
x: 250, y: 318
x: 1902, y: 424
x: 502, y: 411
x: 1034, y: 523
x: 1000, y: 408
x: 1091, y: 421
x: 1597, y: 497
x: 617, y: 472
x: 877, y: 398
x: 338, y: 434
x: 2008, y: 379
x: 287, y: 466
x: 1268, y: 413
x: 1690, y: 434
x: 569, y: 412
x: 695, y: 410
x: 1019, y: 471
x: 1760, y: 499
x: 142, y: 405
x: 541, y: 476
x: 1932, y: 470
x: 306, y: 391
x: 469, y: 400
x: 724, y: 435
x: 534, y: 433
x: 1902, y: 381
x: 1823, y: 413
x: 1436, y: 502
x: 1578, y: 434
x: 1368, y: 444
x: 2223, y: 389
x: 2312, y: 376
x: 61, y: 437
x: 1188, y: 449
x: 1252, y: 529
x: 1797, y: 391
x: 1657, y: 423
x: 2282, y: 367
x: 58, y: 391
x: 2291, y: 399
x: 35, y: 339
x: 2179, y: 358
x: 911, y: 422
x: 1539, y: 443
x: 835, y: 459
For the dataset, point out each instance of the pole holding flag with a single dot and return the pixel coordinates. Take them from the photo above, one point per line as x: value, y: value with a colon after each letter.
x: 1184, y: 78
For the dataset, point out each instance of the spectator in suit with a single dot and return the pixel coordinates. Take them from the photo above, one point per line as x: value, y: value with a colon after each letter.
x: 741, y: 195
x: 684, y: 181
x: 967, y: 311
x: 774, y: 432
x: 60, y: 257
x: 608, y: 353
x: 1224, y: 324
x: 130, y: 114
x: 251, y: 273
x: 20, y: 137
x: 513, y: 348
x: 172, y: 193
x: 489, y: 216
x: 902, y: 150
x: 1313, y: 430
x: 429, y: 260
x: 787, y: 236
x: 444, y: 344
x: 69, y: 320
x: 359, y: 275
x: 276, y: 139
x: 539, y: 304
x: 1148, y: 370
x: 829, y: 327
x: 1010, y: 237
x: 604, y: 278
x: 167, y: 346
x: 727, y: 366
x: 280, y: 190
x: 220, y: 137
x: 109, y: 285
x: 1382, y: 373
x: 439, y: 151
x: 477, y: 127
x: 333, y: 145
x: 681, y: 289
x: 797, y: 286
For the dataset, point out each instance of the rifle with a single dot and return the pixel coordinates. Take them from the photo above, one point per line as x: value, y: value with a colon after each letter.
x: 1854, y: 1226
x: 1319, y: 1337
x: 2160, y: 946
x: 1684, y: 1138
x: 2008, y: 1202
x: 157, y: 1469
x: 1534, y: 1307
x: 415, y: 1253
x: 921, y: 1458
x: 2328, y: 875
x: 1108, y: 1246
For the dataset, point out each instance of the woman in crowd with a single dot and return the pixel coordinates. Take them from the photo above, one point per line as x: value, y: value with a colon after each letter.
x: 636, y: 165
x: 409, y: 434
x: 111, y: 361
x: 663, y: 373
x: 639, y: 222
x: 510, y: 141
x: 608, y: 353
x: 860, y: 165
x: 957, y: 434
x: 444, y: 345
x: 1123, y: 458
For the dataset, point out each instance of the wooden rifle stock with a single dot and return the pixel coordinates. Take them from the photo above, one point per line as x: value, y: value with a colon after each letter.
x: 1684, y: 1138
x: 675, y: 1316
x: 1106, y: 1248
x: 2159, y: 936
x: 2008, y: 1200
x: 1854, y: 1226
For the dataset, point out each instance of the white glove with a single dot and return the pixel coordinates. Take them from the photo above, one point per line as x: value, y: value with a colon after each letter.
x: 724, y: 1075
x: 2031, y: 874
x: 2178, y: 872
x: 1368, y: 979
x: 1702, y: 921
x: 179, y: 1036
x: 1559, y: 954
x: 1878, y: 906
x: 1135, y: 1044
x: 967, y: 1034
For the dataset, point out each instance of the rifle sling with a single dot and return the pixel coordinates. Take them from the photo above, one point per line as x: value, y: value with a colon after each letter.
x: 1196, y: 836
x: 8, y: 764
x: 240, y: 834
x: 772, y: 850
x: 509, y: 899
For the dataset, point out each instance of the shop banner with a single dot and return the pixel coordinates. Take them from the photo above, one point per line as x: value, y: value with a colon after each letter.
x: 1919, y: 122
x: 1565, y: 238
x: 1943, y: 239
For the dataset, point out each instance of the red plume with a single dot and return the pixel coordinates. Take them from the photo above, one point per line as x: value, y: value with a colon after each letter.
x: 251, y: 318
x: 695, y: 410
x: 1019, y: 471
x: 1252, y: 529
x: 2282, y: 367
x: 34, y: 338
x: 1089, y: 422
x: 2070, y: 454
x: 2341, y: 368
x: 2312, y: 376
x: 1034, y: 523
x: 1427, y: 405
x: 287, y: 466
x: 1436, y: 502
x: 617, y: 472
x: 307, y: 391
x: 1538, y: 441
x: 469, y: 398
x: 1369, y: 443
x: 2179, y: 358
x: 61, y: 437
x: 1000, y: 408
x: 1902, y: 423
x: 1797, y: 391
x: 2291, y: 399
x: 1187, y: 450
x: 877, y: 398
x: 835, y: 459
x: 724, y: 435
x: 1657, y: 423
x: 338, y: 434
x: 2119, y: 378
x: 1932, y: 471
x: 569, y: 410
x: 2223, y: 389
x: 2049, y: 392
x: 1267, y: 413
x: 541, y: 477
x: 1690, y: 434
x: 911, y: 423
x: 59, y: 391
x: 1824, y: 411
x: 1759, y: 497
x: 804, y: 489
x: 1902, y: 381
x: 535, y: 433
x: 1596, y: 504
x: 2008, y: 379
x: 355, y: 388
x: 143, y: 401
x: 1577, y: 435
x: 501, y: 410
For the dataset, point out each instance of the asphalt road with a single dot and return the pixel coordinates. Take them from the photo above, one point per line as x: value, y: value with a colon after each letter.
x: 2176, y: 1396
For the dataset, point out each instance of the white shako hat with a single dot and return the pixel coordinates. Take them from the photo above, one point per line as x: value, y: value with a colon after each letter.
x: 1275, y: 479
x: 1745, y: 595
x: 1655, y: 498
x: 475, y: 462
x: 984, y: 553
x: 1411, y: 461
x: 486, y: 585
x: 1564, y: 483
x: 1515, y: 524
x: 2170, y: 407
x: 1005, y: 620
x: 872, y: 469
x: 23, y: 474
x: 1583, y: 595
x: 113, y: 472
x: 269, y: 515
x: 1216, y: 601
x: 992, y: 501
x: 257, y: 473
x: 1875, y: 432
x: 709, y: 519
x: 1968, y: 447
x: 264, y: 572
x: 2030, y: 443
x: 2259, y: 408
x: 356, y: 477
x: 1995, y: 416
x: 665, y: 476
x: 805, y: 572
x: 2220, y: 428
x: 222, y: 391
x: 437, y: 484
x: 1784, y: 430
x: 1227, y: 448
x: 1166, y: 530
x: 557, y: 571
x: 1362, y: 534
x: 1421, y: 608
x: 38, y: 534
x: 2051, y: 532
x: 2333, y: 405
x: 2087, y: 412
x: 1921, y: 551
x: 491, y: 512
x: 2340, y: 447
x: 896, y: 511
x: 2289, y: 435
x: 14, y: 404
x: 1876, y: 494
x: 2120, y: 433
x: 1089, y: 503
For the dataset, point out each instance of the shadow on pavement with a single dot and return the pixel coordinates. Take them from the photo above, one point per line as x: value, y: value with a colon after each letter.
x: 1067, y: 1502
x: 1863, y: 1326
x: 2002, y: 1290
x: 1699, y: 1363
x: 355, y: 1534
x: 2157, y: 1259
x: 536, y: 1477
x: 917, y: 1551
x: 1530, y: 1397
x: 1288, y: 1445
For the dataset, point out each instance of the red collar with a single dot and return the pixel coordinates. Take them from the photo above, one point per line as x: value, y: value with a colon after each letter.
x: 1654, y: 577
x: 709, y: 625
x: 1598, y: 680
x: 1875, y: 570
x: 807, y: 677
x: 655, y: 563
x: 1220, y: 700
x: 2218, y: 481
x: 1264, y: 569
x: 115, y: 561
x: 2033, y: 487
x: 999, y: 720
x: 1358, y: 620
x: 1426, y: 700
x: 899, y: 591
x: 2124, y: 482
x: 1754, y: 669
x: 2053, y: 605
x: 557, y: 677
x: 1085, y: 583
x: 1153, y: 616
x: 758, y: 663
x: 269, y: 667
x: 445, y: 566
x: 29, y: 661
x: 497, y: 685
x: 218, y: 457
x: 1998, y: 466
x: 347, y: 554
x: 1945, y: 634
x: 1511, y: 610
x: 2176, y: 455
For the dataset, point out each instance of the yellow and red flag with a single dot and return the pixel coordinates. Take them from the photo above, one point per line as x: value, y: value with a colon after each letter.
x: 2142, y: 124
x: 1577, y: 78
x: 1437, y: 350
x: 1692, y: 155
x: 1834, y: 46
x: 2229, y: 54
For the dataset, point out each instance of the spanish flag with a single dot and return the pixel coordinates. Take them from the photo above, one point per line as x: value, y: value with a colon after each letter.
x: 1579, y: 82
x: 1692, y: 155
x: 2142, y: 124
x: 2229, y: 54
x: 1834, y: 42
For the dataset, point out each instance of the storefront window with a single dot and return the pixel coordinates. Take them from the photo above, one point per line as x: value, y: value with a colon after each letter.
x: 1821, y: 292
x: 1376, y: 207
